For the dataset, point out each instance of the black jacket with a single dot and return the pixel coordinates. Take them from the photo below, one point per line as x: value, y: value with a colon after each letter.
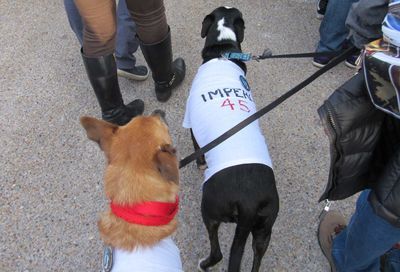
x: 365, y: 149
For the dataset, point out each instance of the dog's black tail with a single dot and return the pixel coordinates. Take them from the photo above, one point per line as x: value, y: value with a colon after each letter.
x: 258, y: 219
x: 246, y: 216
x: 237, y: 248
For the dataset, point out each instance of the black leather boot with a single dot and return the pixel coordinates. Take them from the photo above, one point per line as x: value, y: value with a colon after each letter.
x: 102, y: 73
x: 166, y: 74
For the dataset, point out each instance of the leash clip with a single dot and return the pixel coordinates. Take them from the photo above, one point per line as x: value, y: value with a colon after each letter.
x: 266, y: 54
x: 256, y: 58
x: 108, y: 259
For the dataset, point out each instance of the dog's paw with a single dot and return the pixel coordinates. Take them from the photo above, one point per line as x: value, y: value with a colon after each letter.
x: 199, y: 267
x: 210, y: 267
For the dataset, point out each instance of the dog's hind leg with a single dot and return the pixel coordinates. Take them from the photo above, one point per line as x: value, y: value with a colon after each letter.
x: 261, y: 238
x: 262, y: 231
x: 215, y: 252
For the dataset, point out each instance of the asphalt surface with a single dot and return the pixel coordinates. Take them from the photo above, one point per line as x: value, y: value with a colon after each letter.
x: 51, y: 189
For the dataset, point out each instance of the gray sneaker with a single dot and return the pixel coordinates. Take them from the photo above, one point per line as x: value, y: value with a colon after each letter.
x: 137, y: 73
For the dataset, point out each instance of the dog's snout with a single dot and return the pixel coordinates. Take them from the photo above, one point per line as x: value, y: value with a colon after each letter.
x: 161, y: 114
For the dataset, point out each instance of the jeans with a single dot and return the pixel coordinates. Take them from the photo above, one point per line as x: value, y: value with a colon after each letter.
x: 367, y: 237
x: 392, y: 261
x: 332, y: 30
x: 126, y: 44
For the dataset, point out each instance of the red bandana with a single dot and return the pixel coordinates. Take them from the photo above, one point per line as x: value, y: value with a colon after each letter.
x: 147, y: 213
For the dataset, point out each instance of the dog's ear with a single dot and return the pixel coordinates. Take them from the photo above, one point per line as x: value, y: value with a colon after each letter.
x: 167, y: 163
x: 207, y: 22
x: 238, y: 24
x: 99, y: 131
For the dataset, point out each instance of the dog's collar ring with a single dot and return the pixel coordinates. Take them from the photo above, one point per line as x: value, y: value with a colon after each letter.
x: 108, y: 258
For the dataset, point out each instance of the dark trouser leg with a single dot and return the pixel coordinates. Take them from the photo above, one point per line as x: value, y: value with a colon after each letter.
x: 150, y: 19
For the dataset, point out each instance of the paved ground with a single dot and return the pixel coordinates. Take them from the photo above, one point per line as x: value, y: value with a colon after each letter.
x: 51, y: 175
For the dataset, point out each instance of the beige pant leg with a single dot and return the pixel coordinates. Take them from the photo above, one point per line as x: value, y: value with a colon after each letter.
x: 99, y: 33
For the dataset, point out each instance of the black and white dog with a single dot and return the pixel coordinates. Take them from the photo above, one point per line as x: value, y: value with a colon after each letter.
x: 239, y: 182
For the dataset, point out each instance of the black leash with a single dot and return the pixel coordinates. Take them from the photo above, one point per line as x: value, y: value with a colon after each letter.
x: 267, y: 54
x: 335, y: 61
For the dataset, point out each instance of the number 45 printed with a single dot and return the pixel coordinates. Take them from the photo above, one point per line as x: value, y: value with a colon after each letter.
x: 241, y: 105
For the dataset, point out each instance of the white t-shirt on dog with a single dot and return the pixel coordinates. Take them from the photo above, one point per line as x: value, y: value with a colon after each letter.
x: 219, y: 99
x: 164, y: 256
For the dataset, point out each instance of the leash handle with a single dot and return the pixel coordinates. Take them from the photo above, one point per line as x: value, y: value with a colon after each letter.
x: 335, y: 61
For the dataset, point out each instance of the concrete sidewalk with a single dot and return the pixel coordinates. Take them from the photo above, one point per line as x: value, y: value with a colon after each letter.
x: 51, y: 175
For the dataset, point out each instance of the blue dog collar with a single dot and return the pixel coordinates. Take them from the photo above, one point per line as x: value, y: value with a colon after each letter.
x: 237, y: 56
x: 247, y: 56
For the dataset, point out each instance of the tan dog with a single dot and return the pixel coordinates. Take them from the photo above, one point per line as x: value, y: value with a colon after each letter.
x: 141, y: 175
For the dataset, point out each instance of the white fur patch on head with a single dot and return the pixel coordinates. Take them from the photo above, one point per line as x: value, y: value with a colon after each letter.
x: 225, y: 33
x: 228, y: 7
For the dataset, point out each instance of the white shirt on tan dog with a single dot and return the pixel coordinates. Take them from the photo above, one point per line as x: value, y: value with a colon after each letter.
x: 219, y: 99
x: 162, y: 257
